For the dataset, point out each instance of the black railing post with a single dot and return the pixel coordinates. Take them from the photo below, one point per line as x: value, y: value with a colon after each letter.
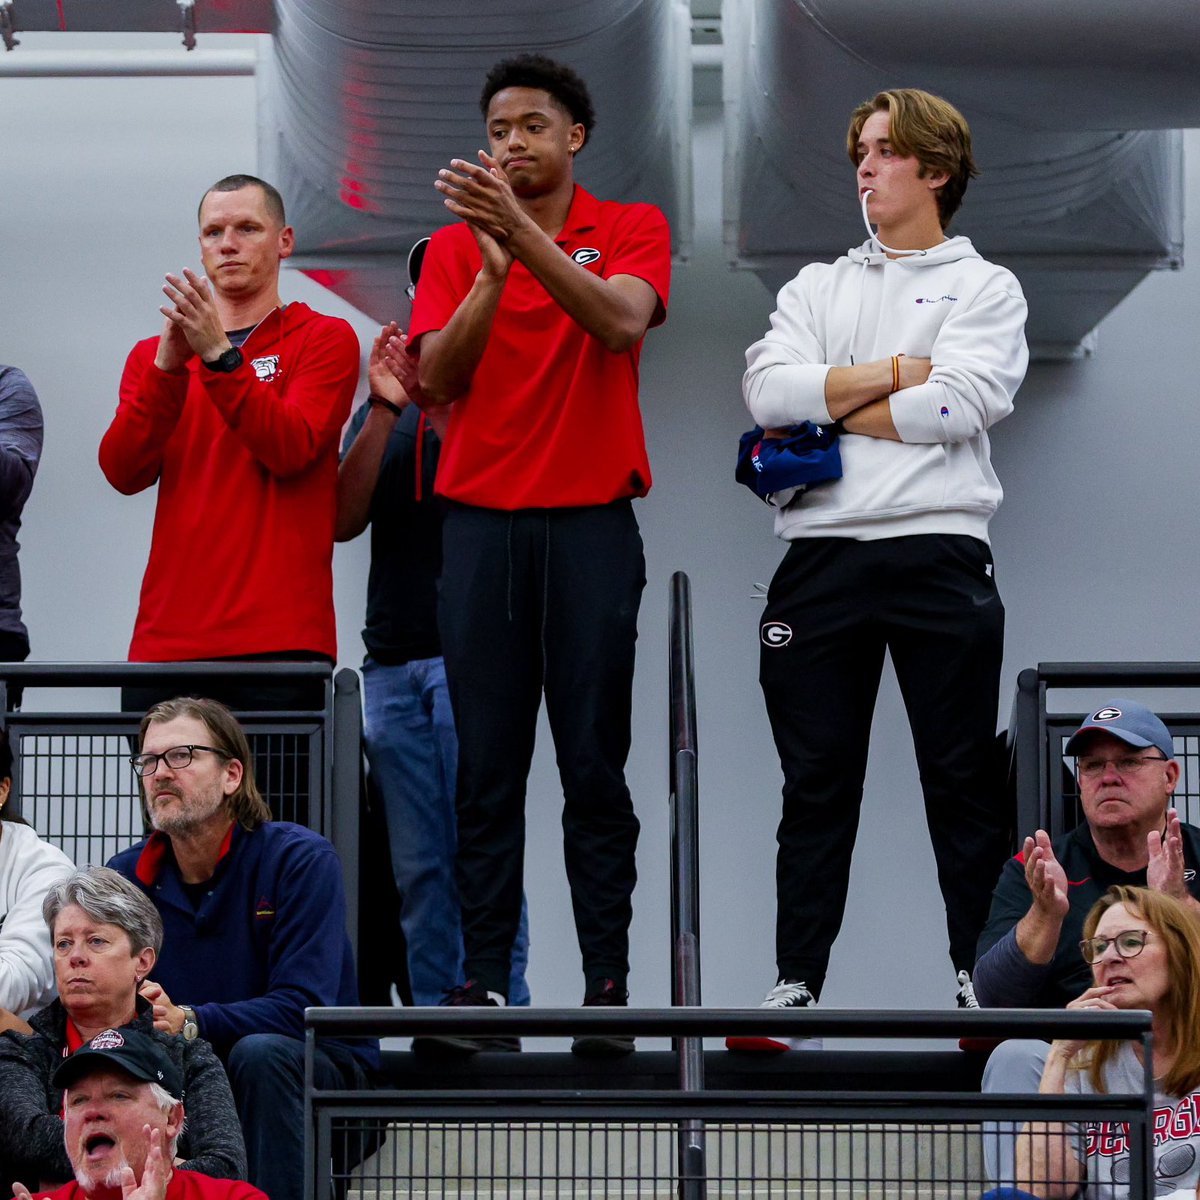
x: 685, y: 874
x: 345, y: 791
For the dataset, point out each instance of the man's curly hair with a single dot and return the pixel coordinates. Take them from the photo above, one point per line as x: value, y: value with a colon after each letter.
x: 565, y: 87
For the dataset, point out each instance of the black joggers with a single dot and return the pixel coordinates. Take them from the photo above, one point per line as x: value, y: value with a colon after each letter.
x: 533, y: 601
x: 834, y: 606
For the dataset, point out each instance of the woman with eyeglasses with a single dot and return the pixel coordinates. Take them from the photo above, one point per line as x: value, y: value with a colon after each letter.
x: 105, y: 936
x: 1144, y: 951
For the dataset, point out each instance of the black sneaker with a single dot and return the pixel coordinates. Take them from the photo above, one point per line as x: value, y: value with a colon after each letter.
x: 604, y: 1045
x: 470, y: 995
x: 786, y: 994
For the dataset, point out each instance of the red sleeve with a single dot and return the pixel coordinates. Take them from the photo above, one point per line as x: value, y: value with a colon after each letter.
x: 643, y: 249
x: 447, y: 272
x: 148, y: 409
x: 288, y: 429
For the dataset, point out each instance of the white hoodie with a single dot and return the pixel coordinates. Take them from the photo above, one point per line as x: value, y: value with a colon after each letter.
x: 947, y: 304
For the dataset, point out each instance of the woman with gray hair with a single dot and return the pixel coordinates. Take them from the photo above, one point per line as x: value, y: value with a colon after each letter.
x: 106, y: 936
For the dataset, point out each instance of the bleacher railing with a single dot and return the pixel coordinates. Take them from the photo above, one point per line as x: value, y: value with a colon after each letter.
x: 1046, y: 795
x: 685, y: 868
x: 468, y: 1133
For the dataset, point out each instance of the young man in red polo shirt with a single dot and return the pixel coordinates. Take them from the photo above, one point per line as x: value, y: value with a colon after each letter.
x: 530, y: 319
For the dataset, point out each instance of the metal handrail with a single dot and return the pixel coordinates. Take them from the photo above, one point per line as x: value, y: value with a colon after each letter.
x: 685, y: 873
x: 711, y: 1022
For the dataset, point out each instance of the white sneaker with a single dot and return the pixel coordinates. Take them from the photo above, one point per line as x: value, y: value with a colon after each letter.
x: 966, y: 991
x: 786, y: 994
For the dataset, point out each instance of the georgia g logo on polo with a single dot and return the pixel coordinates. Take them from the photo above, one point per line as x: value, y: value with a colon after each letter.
x: 585, y: 255
x: 776, y: 634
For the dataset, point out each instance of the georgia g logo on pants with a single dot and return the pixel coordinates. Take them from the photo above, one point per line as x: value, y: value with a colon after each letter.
x: 775, y: 634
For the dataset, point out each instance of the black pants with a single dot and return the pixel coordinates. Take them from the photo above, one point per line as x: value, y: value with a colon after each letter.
x: 834, y: 606
x: 532, y: 601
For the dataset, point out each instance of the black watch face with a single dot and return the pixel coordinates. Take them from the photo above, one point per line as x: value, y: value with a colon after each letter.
x: 229, y: 361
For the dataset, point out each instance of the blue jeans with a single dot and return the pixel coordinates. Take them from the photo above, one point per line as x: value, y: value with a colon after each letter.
x: 266, y: 1076
x: 412, y: 750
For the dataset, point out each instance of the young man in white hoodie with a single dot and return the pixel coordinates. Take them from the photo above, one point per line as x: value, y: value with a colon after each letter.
x: 913, y: 346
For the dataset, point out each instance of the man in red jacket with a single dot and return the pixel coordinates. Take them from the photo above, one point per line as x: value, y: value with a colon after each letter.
x: 234, y: 410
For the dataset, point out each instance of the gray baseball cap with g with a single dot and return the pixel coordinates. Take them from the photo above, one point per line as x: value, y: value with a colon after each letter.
x: 1128, y: 720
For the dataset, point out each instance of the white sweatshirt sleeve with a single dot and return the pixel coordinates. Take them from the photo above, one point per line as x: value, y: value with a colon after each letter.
x: 785, y: 370
x: 979, y: 360
x: 29, y: 868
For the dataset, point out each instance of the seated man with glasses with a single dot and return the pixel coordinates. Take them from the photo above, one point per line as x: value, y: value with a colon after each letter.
x: 254, y: 921
x: 1029, y: 951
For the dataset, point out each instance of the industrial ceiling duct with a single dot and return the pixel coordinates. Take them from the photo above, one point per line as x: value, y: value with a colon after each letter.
x: 1073, y: 107
x: 362, y: 103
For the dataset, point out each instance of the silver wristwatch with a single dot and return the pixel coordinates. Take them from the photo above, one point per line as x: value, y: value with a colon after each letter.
x: 191, y: 1028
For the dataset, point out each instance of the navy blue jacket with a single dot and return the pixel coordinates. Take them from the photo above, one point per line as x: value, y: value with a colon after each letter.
x: 267, y: 940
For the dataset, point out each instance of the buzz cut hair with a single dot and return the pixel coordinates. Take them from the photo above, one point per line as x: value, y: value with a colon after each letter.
x: 565, y: 86
x: 235, y: 183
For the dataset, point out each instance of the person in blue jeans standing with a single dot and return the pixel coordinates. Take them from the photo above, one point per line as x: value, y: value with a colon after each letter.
x: 389, y: 459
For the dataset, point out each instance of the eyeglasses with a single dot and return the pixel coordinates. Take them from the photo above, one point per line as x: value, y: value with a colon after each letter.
x: 1129, y: 943
x: 1091, y: 766
x: 175, y: 758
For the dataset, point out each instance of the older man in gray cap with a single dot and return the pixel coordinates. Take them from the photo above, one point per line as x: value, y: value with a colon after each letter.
x: 1029, y: 950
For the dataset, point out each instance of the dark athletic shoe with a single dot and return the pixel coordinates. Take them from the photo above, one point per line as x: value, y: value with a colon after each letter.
x: 470, y: 995
x: 787, y: 994
x: 604, y: 1045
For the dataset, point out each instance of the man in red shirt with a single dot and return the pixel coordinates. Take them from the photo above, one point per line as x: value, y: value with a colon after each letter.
x: 234, y: 410
x: 529, y: 320
x: 121, y: 1118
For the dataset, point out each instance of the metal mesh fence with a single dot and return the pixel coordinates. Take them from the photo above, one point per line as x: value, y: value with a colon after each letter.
x: 465, y: 1160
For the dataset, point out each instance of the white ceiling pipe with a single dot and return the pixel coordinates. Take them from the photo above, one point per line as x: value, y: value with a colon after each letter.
x: 123, y: 64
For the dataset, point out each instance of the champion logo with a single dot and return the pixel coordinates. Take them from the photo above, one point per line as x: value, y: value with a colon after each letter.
x: 1106, y: 714
x: 935, y: 299
x: 109, y: 1039
x: 945, y: 412
x: 776, y: 634
x: 585, y: 255
x: 267, y: 367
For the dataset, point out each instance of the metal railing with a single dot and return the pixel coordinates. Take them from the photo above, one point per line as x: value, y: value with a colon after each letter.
x: 1046, y: 794
x: 466, y: 1132
x: 685, y: 870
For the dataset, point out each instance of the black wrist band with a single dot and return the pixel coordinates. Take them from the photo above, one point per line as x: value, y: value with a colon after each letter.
x: 376, y: 399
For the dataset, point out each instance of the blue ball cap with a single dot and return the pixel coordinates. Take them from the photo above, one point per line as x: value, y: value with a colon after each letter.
x: 1128, y: 720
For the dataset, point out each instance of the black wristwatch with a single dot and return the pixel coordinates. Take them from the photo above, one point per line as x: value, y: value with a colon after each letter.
x: 229, y: 361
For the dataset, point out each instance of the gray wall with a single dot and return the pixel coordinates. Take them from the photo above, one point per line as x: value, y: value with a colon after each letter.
x: 1095, y: 545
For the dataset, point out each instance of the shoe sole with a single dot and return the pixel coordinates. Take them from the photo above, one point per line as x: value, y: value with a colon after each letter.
x: 765, y: 1045
x: 599, y: 1046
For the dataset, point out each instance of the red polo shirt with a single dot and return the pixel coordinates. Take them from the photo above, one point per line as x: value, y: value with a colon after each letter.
x: 551, y: 419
